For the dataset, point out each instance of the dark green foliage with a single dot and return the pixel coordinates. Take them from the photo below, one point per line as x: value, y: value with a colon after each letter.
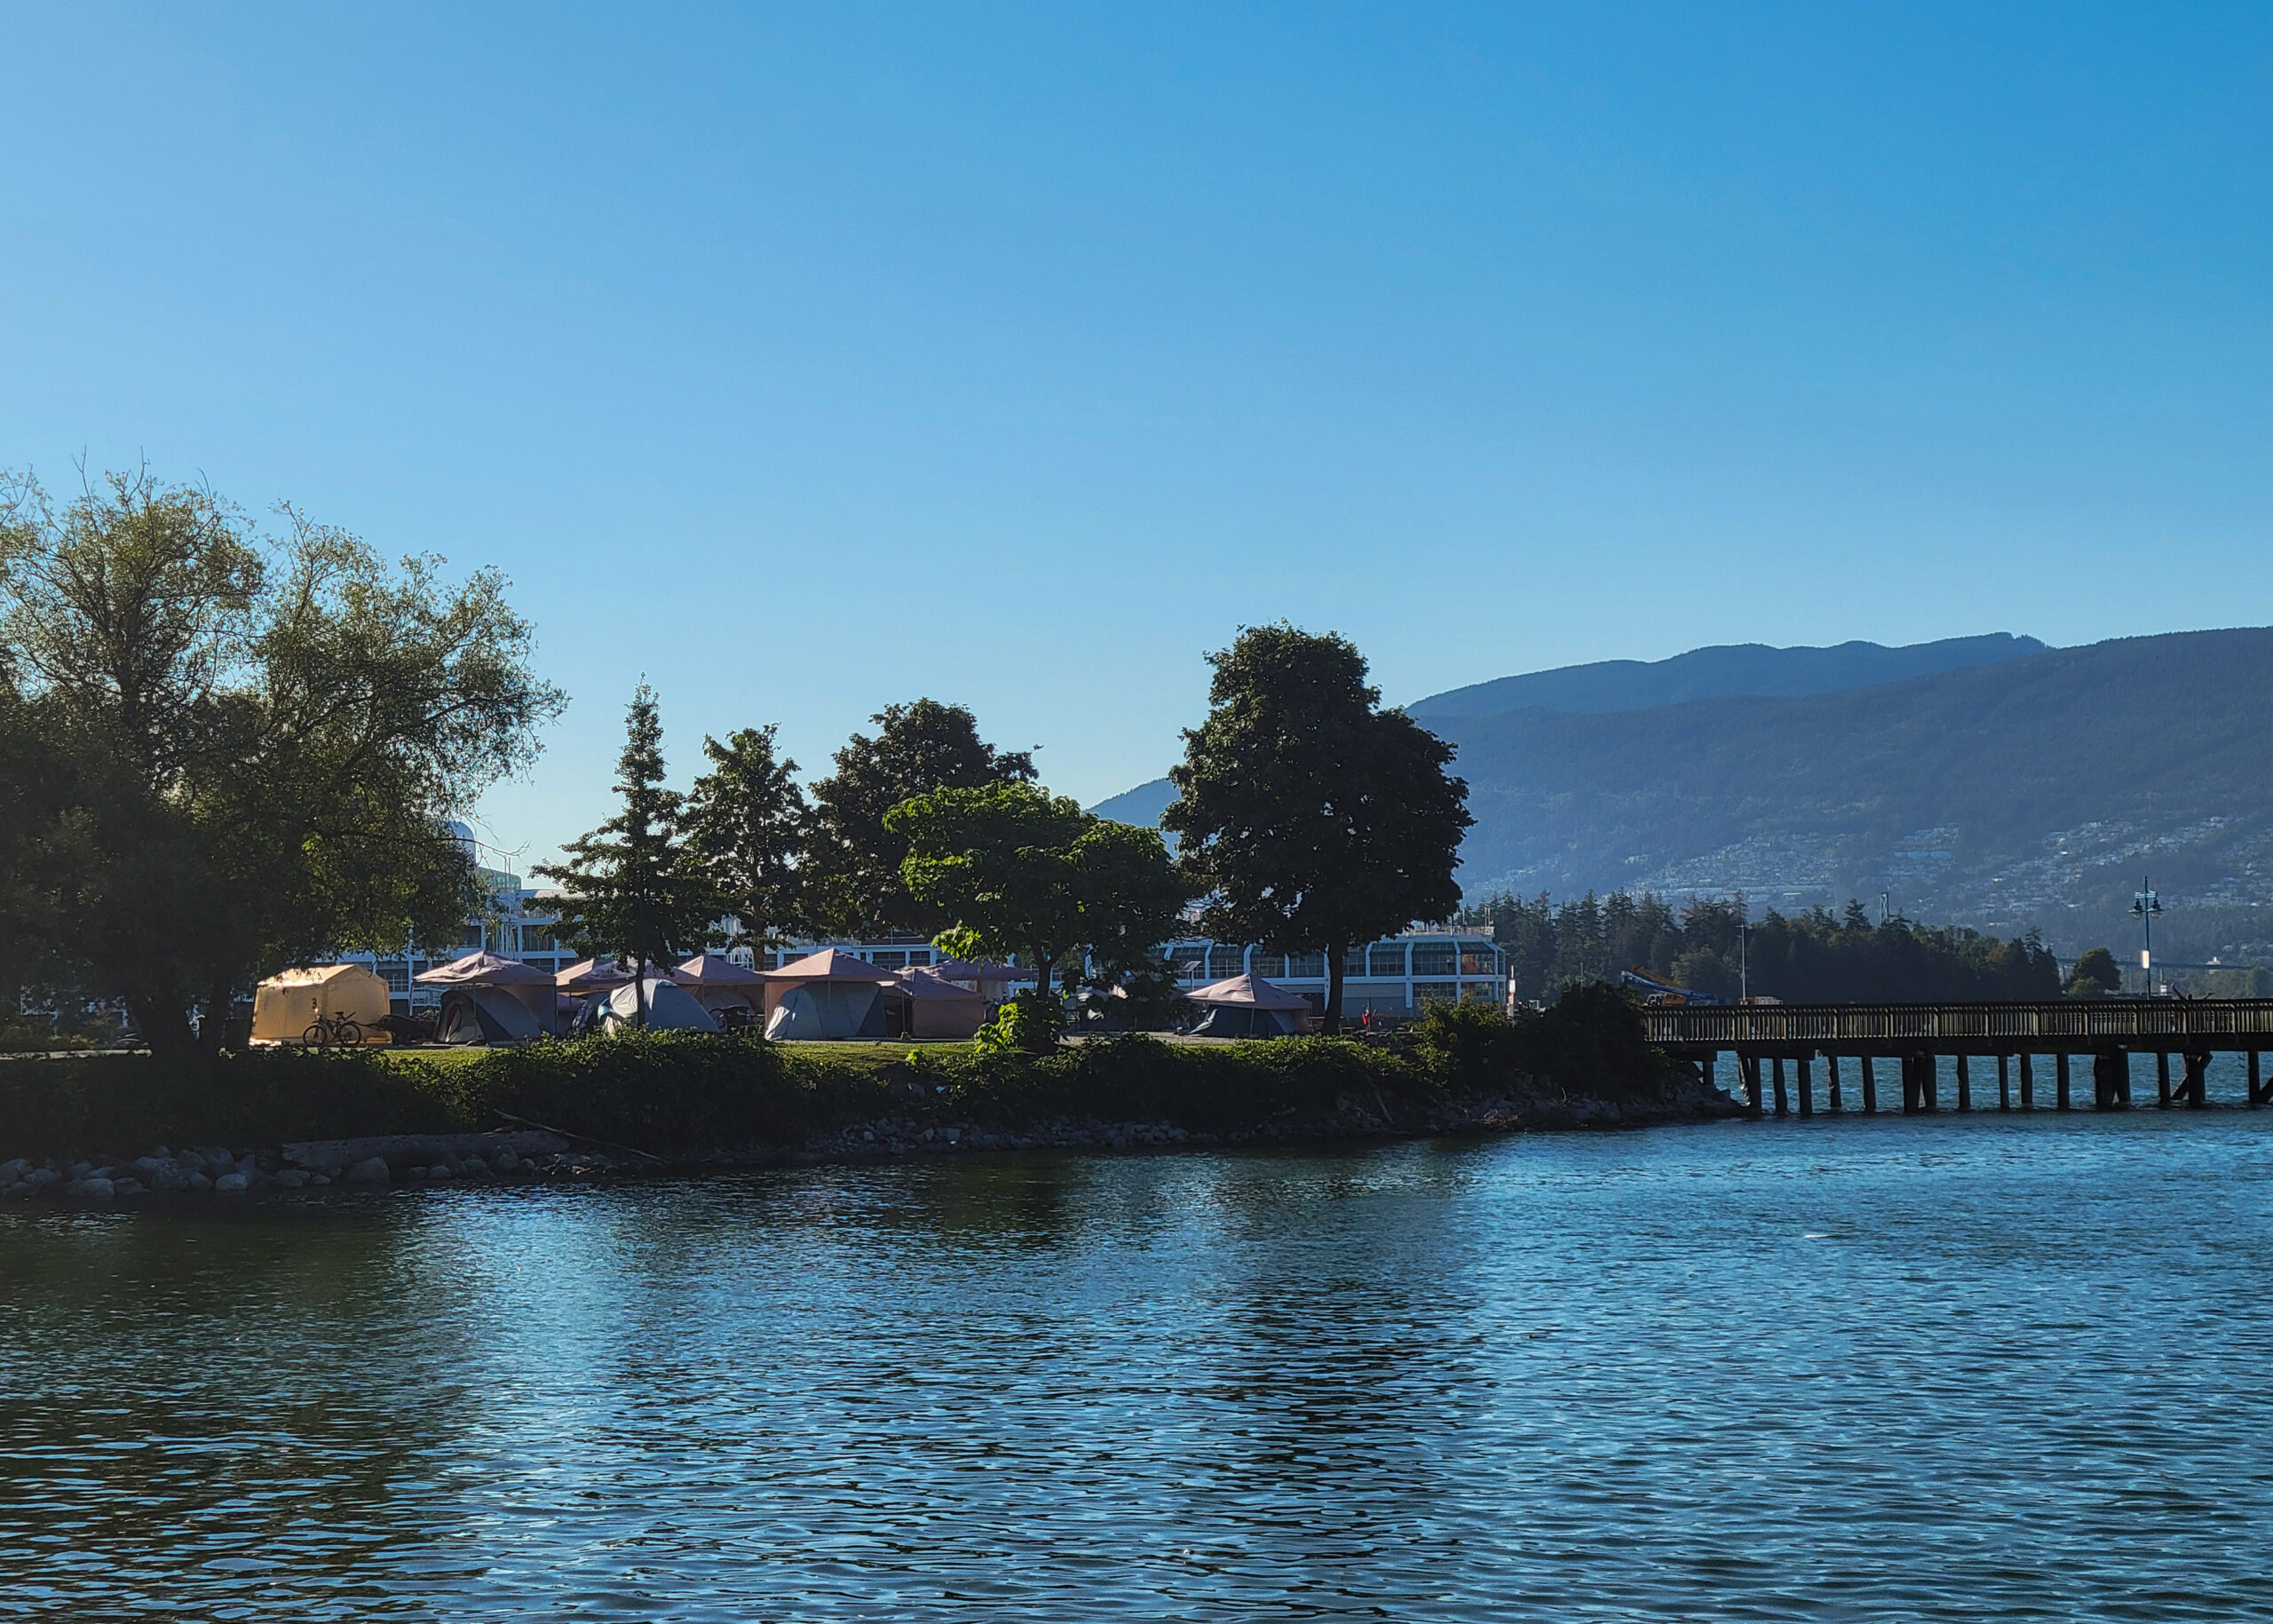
x: 126, y: 1104
x: 1308, y: 817
x: 629, y: 888
x: 221, y: 754
x: 745, y: 832
x: 2094, y: 975
x: 852, y: 871
x: 1031, y: 1022
x: 1814, y: 957
x: 1018, y: 870
x: 1588, y: 1043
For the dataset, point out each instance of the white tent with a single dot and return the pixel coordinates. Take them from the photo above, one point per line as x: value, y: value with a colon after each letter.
x: 822, y: 1009
x: 670, y: 1007
x: 484, y: 1014
x: 288, y: 1004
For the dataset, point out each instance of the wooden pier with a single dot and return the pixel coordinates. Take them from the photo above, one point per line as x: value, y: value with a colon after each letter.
x: 2104, y: 1032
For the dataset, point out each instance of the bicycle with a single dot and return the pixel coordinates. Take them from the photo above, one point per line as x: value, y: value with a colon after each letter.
x: 323, y: 1033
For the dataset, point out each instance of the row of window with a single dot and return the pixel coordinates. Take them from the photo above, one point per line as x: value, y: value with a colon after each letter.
x: 1220, y: 961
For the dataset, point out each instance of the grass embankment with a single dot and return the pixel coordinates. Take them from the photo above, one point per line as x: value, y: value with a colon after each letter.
x: 681, y: 1093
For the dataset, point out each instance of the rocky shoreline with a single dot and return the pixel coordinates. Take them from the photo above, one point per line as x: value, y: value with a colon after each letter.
x: 531, y: 1156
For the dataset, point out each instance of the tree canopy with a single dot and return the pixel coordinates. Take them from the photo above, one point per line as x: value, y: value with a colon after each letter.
x: 745, y: 829
x: 629, y: 888
x: 2096, y: 975
x: 1811, y: 957
x: 249, y: 746
x: 1310, y: 817
x: 852, y: 875
x: 1016, y: 869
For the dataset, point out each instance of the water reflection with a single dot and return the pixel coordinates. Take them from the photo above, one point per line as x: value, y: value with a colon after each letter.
x: 1984, y: 1369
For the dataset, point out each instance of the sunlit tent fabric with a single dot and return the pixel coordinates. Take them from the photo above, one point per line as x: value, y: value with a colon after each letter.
x: 288, y: 1004
x: 990, y: 980
x: 484, y: 1014
x: 935, y: 1007
x: 670, y: 1007
x: 732, y: 992
x: 592, y: 976
x: 826, y: 995
x: 500, y: 981
x: 1248, y: 1006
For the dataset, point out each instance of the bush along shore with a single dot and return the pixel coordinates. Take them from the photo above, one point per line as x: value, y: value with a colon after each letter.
x: 632, y: 1104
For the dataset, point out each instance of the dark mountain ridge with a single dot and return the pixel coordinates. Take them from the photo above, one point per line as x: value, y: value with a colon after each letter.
x: 1718, y: 672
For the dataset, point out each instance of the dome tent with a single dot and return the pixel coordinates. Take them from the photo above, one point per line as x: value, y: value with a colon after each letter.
x: 1248, y: 1006
x: 826, y: 995
x: 932, y: 1006
x: 732, y: 992
x: 669, y: 1007
x: 490, y: 999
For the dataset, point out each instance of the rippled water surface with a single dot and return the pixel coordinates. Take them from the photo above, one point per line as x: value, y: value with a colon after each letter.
x: 1981, y: 1368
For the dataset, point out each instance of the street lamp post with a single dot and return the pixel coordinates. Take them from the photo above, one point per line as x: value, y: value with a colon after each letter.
x: 2145, y: 905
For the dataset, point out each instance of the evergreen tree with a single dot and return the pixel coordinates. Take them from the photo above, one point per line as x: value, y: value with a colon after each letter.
x: 745, y: 830
x: 629, y: 888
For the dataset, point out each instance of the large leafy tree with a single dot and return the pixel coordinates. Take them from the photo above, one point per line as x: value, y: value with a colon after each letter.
x: 248, y: 745
x: 1017, y: 869
x: 630, y: 887
x: 746, y: 827
x: 1312, y: 819
x: 854, y: 862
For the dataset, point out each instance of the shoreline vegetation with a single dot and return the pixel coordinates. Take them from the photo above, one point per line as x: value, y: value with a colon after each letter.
x: 96, y: 1128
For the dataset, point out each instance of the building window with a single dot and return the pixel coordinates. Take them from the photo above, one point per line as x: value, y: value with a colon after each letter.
x: 921, y: 955
x: 1434, y: 958
x: 1385, y: 959
x: 1306, y: 967
x: 1436, y: 991
x: 1354, y: 961
x: 1224, y: 961
x: 1478, y: 959
x: 889, y: 961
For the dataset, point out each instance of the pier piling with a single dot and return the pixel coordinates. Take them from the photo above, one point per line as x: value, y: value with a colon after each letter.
x: 1964, y: 1085
x: 1831, y: 1065
x: 2004, y: 1082
x: 1783, y: 1102
x: 1807, y: 1086
x: 1870, y: 1089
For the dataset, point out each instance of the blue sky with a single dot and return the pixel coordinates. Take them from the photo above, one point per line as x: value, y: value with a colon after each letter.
x: 808, y: 359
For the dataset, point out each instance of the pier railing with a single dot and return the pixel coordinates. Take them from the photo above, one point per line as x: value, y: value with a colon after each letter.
x: 2072, y: 1024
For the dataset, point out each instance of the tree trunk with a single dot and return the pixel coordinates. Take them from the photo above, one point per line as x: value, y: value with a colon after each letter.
x: 165, y: 1029
x: 1331, y: 1025
x: 639, y: 987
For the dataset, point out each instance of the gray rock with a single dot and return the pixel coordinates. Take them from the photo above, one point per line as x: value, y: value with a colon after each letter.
x: 229, y: 1183
x: 291, y: 1179
x: 192, y: 1162
x: 40, y: 1178
x: 161, y: 1154
x: 150, y: 1167
x: 94, y: 1189
x: 125, y: 1186
x: 198, y: 1181
x: 247, y: 1166
x: 505, y: 1161
x: 439, y: 1171
x: 79, y: 1169
x: 10, y: 1171
x: 170, y: 1178
x: 370, y: 1170
x: 319, y: 1178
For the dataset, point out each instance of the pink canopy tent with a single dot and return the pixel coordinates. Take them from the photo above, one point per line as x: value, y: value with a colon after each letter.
x: 732, y: 992
x: 592, y: 976
x: 484, y: 970
x: 935, y: 1007
x: 481, y: 995
x: 1248, y: 1006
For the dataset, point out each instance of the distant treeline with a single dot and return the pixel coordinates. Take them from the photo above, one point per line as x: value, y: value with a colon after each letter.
x: 1812, y: 957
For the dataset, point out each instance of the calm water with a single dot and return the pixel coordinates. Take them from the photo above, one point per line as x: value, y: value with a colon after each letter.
x: 1984, y: 1368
